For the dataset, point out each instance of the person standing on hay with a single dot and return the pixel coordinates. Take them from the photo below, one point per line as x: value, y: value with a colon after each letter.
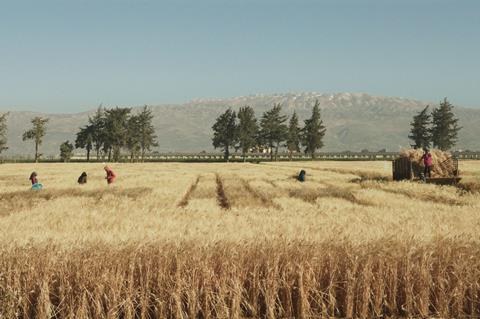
x: 110, y: 175
x: 428, y: 163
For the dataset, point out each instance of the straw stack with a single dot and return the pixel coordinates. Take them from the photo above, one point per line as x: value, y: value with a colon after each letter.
x: 442, y: 161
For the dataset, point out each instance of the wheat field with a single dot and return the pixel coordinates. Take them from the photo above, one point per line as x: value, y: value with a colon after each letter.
x: 176, y: 240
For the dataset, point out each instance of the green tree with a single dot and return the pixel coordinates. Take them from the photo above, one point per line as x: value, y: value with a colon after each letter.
x: 225, y: 132
x: 66, y: 151
x: 133, y: 143
x: 99, y: 135
x: 146, y: 131
x: 3, y: 132
x: 116, y: 131
x: 444, y: 126
x: 273, y: 130
x: 293, y: 136
x: 313, y: 131
x: 85, y: 139
x: 36, y: 133
x: 247, y: 129
x: 420, y: 131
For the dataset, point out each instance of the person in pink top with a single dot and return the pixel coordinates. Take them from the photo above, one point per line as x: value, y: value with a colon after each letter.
x: 428, y: 163
x: 110, y: 175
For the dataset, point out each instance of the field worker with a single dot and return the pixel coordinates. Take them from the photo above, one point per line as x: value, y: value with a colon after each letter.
x: 35, y: 184
x: 110, y: 175
x: 301, y: 176
x: 428, y: 163
x: 83, y: 178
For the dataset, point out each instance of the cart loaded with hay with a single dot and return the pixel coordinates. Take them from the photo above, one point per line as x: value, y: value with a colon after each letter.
x: 409, y: 166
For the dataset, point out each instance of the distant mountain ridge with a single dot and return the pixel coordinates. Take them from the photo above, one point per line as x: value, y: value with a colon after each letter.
x: 354, y: 121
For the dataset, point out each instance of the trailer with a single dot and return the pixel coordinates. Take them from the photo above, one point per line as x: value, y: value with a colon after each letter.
x: 403, y: 168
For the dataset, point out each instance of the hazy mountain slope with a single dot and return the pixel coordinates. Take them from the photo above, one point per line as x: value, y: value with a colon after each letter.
x: 354, y: 122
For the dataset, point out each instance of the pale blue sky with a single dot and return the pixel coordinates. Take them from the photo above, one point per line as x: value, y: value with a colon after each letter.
x: 70, y: 56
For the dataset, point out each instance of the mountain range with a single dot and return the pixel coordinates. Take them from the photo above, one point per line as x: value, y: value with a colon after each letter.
x: 354, y: 121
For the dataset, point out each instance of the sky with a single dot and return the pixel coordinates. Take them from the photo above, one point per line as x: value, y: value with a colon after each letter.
x: 69, y: 56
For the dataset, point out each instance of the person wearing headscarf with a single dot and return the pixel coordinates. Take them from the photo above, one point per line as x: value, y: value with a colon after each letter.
x: 34, y: 180
x: 110, y: 175
x: 301, y: 176
x: 428, y: 163
x: 83, y: 178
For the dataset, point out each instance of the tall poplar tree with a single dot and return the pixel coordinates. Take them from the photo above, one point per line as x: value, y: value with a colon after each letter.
x: 146, y: 131
x: 116, y: 131
x: 444, y: 126
x: 225, y: 132
x: 133, y: 137
x: 313, y: 132
x: 420, y: 131
x: 273, y: 130
x: 98, y: 125
x: 294, y: 136
x: 247, y: 129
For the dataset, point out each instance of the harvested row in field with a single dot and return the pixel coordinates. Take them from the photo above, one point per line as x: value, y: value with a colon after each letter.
x: 261, y: 196
x: 184, y: 201
x: 428, y: 195
x: 221, y: 197
x: 363, y: 175
x: 230, y: 192
x: 15, y: 201
x: 310, y: 195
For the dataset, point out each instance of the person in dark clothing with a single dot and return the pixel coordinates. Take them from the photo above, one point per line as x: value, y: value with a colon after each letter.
x: 83, y: 178
x: 301, y: 176
x: 33, y: 178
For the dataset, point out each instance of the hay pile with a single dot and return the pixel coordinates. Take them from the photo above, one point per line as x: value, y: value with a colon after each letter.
x: 442, y: 161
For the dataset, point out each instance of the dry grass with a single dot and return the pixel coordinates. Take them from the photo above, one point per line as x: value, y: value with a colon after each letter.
x: 273, y: 280
x: 470, y: 187
x: 237, y: 241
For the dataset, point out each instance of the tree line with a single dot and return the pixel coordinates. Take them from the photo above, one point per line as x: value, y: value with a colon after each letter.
x: 243, y: 132
x: 111, y: 131
x: 107, y: 133
x: 438, y: 129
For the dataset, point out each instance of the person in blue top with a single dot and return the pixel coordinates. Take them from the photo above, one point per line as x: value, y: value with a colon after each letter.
x: 35, y: 184
x: 301, y: 176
